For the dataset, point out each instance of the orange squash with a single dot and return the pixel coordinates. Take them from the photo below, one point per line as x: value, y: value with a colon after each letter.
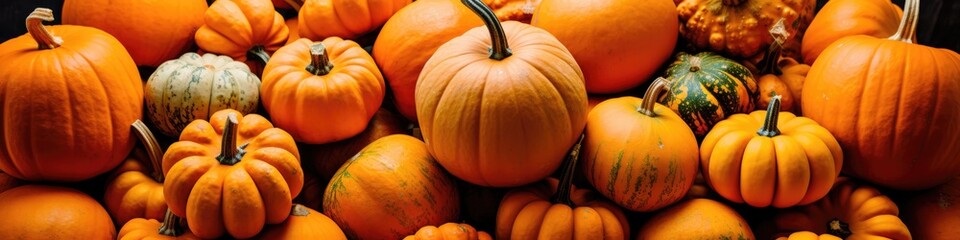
x: 449, y: 231
x: 696, y: 219
x: 850, y: 211
x: 935, y: 213
x: 493, y: 116
x: 135, y: 190
x: 304, y: 223
x: 893, y: 105
x: 69, y: 95
x: 236, y: 173
x: 738, y: 28
x: 807, y: 235
x: 292, y: 24
x: 842, y: 18
x: 246, y: 30
x: 143, y: 229
x: 49, y: 212
x: 320, y: 19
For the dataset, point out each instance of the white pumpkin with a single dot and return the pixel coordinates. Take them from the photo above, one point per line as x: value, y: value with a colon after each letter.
x: 193, y: 87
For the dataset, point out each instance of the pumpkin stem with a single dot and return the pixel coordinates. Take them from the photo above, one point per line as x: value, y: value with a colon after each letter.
x: 769, y: 128
x: 259, y: 53
x: 499, y: 50
x: 780, y: 36
x: 154, y: 152
x: 908, y: 24
x: 695, y: 63
x: 649, y: 97
x: 172, y: 225
x: 45, y: 39
x: 299, y: 210
x: 838, y: 228
x: 296, y: 4
x: 230, y: 154
x: 319, y: 61
x: 566, y: 178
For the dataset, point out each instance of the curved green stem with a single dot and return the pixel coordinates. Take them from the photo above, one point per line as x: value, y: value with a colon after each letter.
x: 172, y: 225
x: 230, y: 154
x: 656, y: 88
x: 769, y: 128
x: 500, y: 49
x: 45, y: 39
x: 150, y: 144
x: 566, y: 178
x: 259, y: 53
x: 908, y: 24
x: 319, y: 61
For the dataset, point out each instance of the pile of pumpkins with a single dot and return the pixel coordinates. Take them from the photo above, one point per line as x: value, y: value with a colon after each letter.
x: 478, y: 119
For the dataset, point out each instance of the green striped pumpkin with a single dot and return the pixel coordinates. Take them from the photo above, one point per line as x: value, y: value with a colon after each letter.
x: 193, y: 87
x: 706, y: 88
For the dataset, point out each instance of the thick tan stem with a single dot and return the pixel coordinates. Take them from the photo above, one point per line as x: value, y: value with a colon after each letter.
x: 908, y: 24
x: 172, y: 225
x: 299, y: 210
x: 319, y: 60
x: 45, y: 39
x: 229, y: 153
x: 150, y: 144
x: 656, y: 88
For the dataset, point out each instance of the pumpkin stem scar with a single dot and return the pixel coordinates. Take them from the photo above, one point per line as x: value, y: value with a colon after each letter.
x: 172, y: 225
x: 299, y: 210
x: 649, y: 97
x: 154, y: 152
x: 566, y: 179
x: 498, y: 38
x: 230, y: 154
x: 769, y: 128
x: 695, y: 63
x: 838, y: 228
x: 259, y: 53
x: 319, y: 60
x: 45, y: 39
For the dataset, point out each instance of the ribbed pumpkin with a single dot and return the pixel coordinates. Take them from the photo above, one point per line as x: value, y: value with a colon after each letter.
x: 292, y: 24
x: 150, y: 229
x: 304, y: 223
x: 242, y: 29
x: 49, y: 212
x: 193, y: 86
x: 236, y: 173
x: 394, y: 183
x: 808, y: 235
x: 738, y: 28
x: 706, y: 88
x: 320, y: 19
x: 449, y: 231
x: 68, y: 102
x: 841, y: 18
x: 893, y: 105
x: 640, y: 154
x: 499, y: 117
x: 696, y: 219
x: 850, y: 211
x: 619, y: 44
x: 555, y: 209
x: 935, y: 213
x: 152, y: 31
x: 327, y: 158
x: 135, y: 189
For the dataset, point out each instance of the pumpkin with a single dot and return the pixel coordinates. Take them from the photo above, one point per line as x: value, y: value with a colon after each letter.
x: 738, y: 28
x: 807, y: 235
x: 135, y: 190
x: 509, y: 116
x: 246, y: 30
x: 193, y: 86
x: 47, y: 82
x: 555, y: 209
x: 304, y: 223
x: 706, y: 88
x: 698, y: 218
x: 627, y: 137
x: 327, y: 158
x: 841, y: 18
x: 171, y: 228
x: 619, y: 44
x: 49, y: 212
x: 934, y: 213
x: 152, y: 31
x: 233, y: 189
x: 306, y: 83
x: 395, y: 183
x: 320, y: 19
x: 789, y: 161
x: 292, y: 25
x: 893, y: 105
x: 850, y: 211
x: 449, y: 231
x: 780, y: 75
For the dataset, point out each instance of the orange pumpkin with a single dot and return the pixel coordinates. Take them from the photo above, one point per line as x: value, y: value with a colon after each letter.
x: 232, y: 189
x: 306, y: 83
x: 304, y: 223
x: 841, y: 18
x: 152, y: 31
x: 850, y: 211
x: 629, y: 136
x: 394, y: 183
x: 320, y: 19
x: 292, y: 25
x: 170, y: 229
x: 449, y: 231
x: 508, y: 116
x: 327, y: 158
x: 738, y: 28
x: 780, y: 75
x: 134, y: 190
x: 619, y: 44
x: 68, y: 102
x: 807, y: 235
x: 696, y: 219
x: 935, y: 213
x: 242, y: 29
x: 893, y: 105
x: 49, y: 212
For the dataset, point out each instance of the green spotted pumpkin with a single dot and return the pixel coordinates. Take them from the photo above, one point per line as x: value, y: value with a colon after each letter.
x: 706, y: 88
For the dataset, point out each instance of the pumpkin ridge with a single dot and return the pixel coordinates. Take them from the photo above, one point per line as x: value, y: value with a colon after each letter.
x: 103, y: 87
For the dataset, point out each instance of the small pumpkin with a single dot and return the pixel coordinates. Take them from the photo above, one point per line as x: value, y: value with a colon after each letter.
x: 246, y: 30
x: 327, y: 158
x: 50, y: 212
x: 934, y: 213
x: 738, y: 28
x: 841, y: 18
x: 68, y: 102
x: 449, y: 231
x: 808, y: 235
x: 134, y: 190
x: 850, y: 211
x: 395, y: 183
x: 628, y: 137
x: 306, y: 83
x: 555, y: 209
x: 193, y: 86
x: 894, y: 106
x: 233, y: 189
x: 171, y: 228
x: 780, y: 75
x: 508, y: 116
x: 698, y: 218
x: 321, y: 19
x: 706, y: 88
x: 304, y: 223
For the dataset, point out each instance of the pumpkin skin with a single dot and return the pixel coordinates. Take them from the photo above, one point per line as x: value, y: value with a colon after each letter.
x: 326, y: 159
x: 625, y: 131
x: 242, y: 28
x: 696, y: 219
x: 193, y: 86
x: 135, y: 190
x: 739, y: 28
x: 87, y: 73
x: 619, y: 44
x: 841, y: 18
x: 234, y: 189
x: 856, y: 90
x: 485, y: 136
x: 807, y: 235
x: 142, y: 229
x: 935, y: 213
x: 706, y: 88
x: 320, y: 19
x: 49, y: 212
x: 292, y: 24
x: 304, y: 223
x: 449, y: 231
x: 850, y: 211
x: 152, y: 31
x: 787, y: 82
x: 528, y: 213
x: 395, y: 183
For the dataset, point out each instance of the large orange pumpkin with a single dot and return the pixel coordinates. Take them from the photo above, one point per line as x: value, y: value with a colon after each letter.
x: 935, y: 213
x: 322, y: 92
x: 69, y: 95
x: 619, y: 44
x: 233, y: 174
x: 893, y: 105
x: 135, y: 190
x: 449, y: 231
x: 697, y: 218
x: 808, y: 235
x: 304, y: 223
x: 493, y: 116
x: 850, y: 211
x: 242, y: 29
x: 841, y: 18
x: 48, y: 212
x: 152, y: 31
x: 320, y: 19
x: 150, y: 229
